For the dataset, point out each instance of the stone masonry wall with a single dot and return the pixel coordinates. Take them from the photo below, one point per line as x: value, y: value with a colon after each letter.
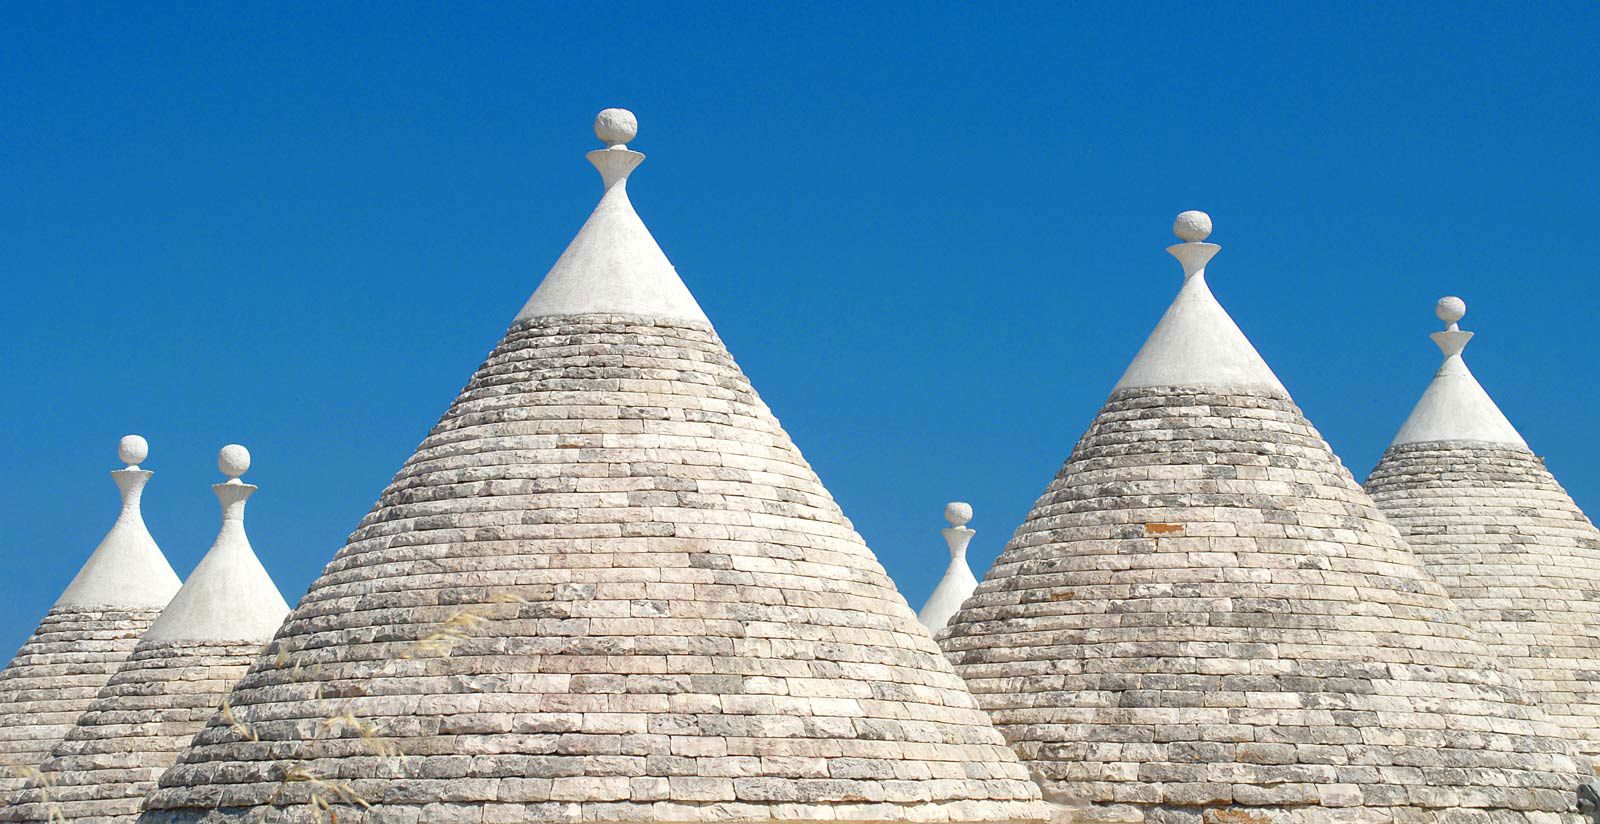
x: 55, y: 676
x: 1204, y: 619
x: 149, y: 711
x: 607, y: 587
x: 1516, y: 554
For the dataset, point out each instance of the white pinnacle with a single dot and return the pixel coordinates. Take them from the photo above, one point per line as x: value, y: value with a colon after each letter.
x: 1451, y: 310
x: 616, y: 127
x: 229, y: 596
x: 614, y: 266
x: 1455, y: 406
x: 132, y: 450
x: 1193, y: 226
x: 127, y: 569
x: 233, y: 460
x: 958, y: 581
x: 1196, y: 343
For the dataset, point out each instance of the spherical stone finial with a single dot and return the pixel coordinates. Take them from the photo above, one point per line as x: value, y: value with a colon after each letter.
x: 233, y: 460
x: 133, y: 449
x: 615, y: 127
x: 1192, y: 226
x: 1450, y: 309
x: 958, y: 513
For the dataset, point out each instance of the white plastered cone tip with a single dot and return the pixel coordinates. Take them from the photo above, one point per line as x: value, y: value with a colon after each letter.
x: 1455, y: 407
x: 1197, y: 344
x: 229, y: 596
x: 614, y: 266
x: 127, y: 569
x: 958, y: 582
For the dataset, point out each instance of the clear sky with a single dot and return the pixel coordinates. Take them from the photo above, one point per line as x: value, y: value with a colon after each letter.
x: 931, y: 234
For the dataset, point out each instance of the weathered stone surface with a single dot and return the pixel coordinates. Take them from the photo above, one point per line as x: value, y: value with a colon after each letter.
x: 607, y: 587
x: 1204, y: 618
x: 54, y: 678
x: 1516, y: 554
x: 156, y: 702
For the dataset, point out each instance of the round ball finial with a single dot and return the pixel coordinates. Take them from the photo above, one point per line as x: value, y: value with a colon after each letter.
x: 1450, y: 309
x: 958, y: 513
x: 1192, y: 226
x: 133, y: 449
x: 615, y: 127
x: 233, y: 460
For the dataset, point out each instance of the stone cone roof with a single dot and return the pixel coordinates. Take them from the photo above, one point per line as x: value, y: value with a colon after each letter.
x: 1205, y: 619
x: 84, y: 638
x: 1513, y: 549
x: 166, y: 690
x: 606, y: 587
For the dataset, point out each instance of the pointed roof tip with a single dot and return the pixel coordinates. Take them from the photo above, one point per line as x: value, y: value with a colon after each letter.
x: 614, y: 265
x: 127, y: 569
x: 1455, y: 407
x: 229, y: 596
x: 958, y: 582
x: 1197, y: 343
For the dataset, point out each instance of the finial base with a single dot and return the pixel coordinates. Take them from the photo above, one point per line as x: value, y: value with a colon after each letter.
x: 1193, y: 256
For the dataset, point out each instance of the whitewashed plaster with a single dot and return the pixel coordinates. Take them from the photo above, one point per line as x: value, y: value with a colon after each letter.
x: 614, y: 265
x: 229, y: 596
x: 1197, y: 343
x: 1455, y: 407
x: 958, y: 581
x: 127, y: 569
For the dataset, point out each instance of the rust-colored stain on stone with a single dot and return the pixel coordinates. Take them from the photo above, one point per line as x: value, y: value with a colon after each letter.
x: 1235, y: 816
x: 1064, y: 595
x: 1162, y: 529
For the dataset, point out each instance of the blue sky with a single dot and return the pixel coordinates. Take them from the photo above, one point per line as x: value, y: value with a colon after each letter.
x: 931, y: 234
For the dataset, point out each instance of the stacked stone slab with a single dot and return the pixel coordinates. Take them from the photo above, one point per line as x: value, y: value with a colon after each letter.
x: 1497, y: 530
x: 606, y: 587
x: 1205, y: 619
x: 170, y: 685
x: 87, y: 634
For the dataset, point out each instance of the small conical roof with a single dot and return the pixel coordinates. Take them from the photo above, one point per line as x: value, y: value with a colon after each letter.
x: 606, y: 587
x: 1497, y: 530
x: 92, y: 627
x: 171, y: 683
x: 1455, y: 406
x: 1205, y: 618
x: 229, y: 596
x: 958, y: 581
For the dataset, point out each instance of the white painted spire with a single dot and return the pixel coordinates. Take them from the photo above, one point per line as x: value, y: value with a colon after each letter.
x: 229, y: 596
x: 127, y: 569
x: 1455, y: 406
x: 1197, y: 343
x: 614, y: 266
x: 958, y: 582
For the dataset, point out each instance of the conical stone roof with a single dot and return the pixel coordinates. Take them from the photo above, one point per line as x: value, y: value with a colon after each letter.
x: 172, y: 683
x: 1497, y: 530
x: 1204, y: 619
x: 606, y: 587
x: 92, y: 628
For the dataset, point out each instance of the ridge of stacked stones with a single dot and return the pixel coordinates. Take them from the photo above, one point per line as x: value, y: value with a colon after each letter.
x: 606, y: 587
x: 86, y: 635
x: 1205, y: 619
x: 168, y: 687
x: 1517, y: 556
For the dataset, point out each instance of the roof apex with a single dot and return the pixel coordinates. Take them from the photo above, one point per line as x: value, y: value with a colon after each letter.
x: 127, y: 569
x: 614, y: 265
x: 1197, y: 343
x: 229, y: 596
x: 1455, y: 407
